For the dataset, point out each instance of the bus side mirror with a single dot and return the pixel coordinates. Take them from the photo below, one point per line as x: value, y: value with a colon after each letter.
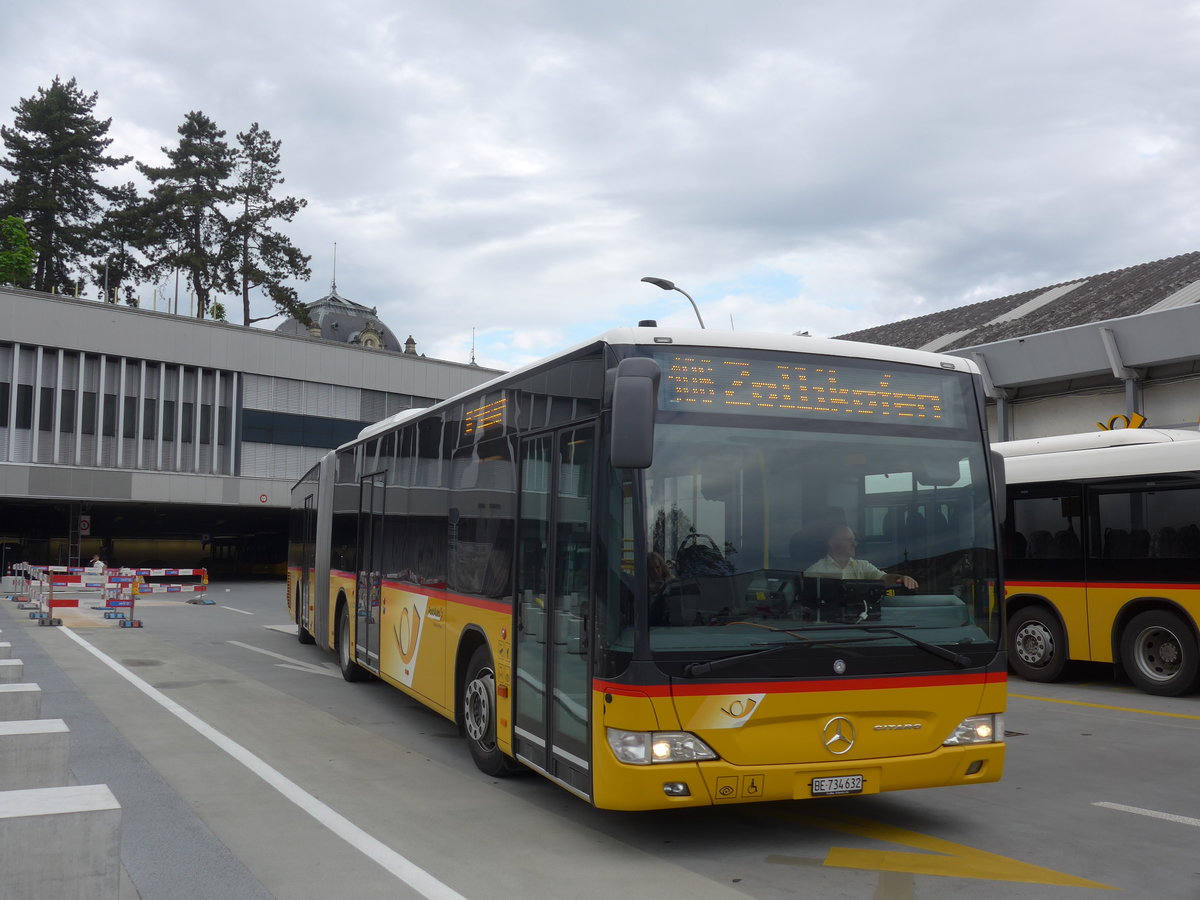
x: 1001, y: 498
x: 635, y: 397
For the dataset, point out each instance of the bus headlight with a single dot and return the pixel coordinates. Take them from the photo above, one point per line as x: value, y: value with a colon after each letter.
x: 977, y: 730
x: 641, y: 748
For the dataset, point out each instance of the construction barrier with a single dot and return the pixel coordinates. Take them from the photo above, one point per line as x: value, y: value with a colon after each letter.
x: 118, y: 589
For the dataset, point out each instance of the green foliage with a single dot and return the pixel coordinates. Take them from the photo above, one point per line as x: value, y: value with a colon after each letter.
x: 217, y: 311
x: 55, y: 149
x: 120, y: 231
x: 211, y: 215
x: 16, y: 253
x: 263, y: 258
x: 185, y: 226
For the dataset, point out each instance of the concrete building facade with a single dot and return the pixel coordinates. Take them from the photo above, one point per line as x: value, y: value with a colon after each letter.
x: 152, y: 437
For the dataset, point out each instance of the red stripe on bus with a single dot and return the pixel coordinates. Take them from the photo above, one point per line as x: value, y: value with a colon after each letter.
x: 1105, y: 585
x: 439, y: 594
x: 889, y: 683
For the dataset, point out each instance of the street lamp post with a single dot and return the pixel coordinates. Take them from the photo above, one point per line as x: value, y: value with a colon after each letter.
x: 671, y: 286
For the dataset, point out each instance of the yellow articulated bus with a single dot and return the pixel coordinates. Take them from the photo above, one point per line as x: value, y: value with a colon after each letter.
x: 1102, y: 555
x: 613, y: 567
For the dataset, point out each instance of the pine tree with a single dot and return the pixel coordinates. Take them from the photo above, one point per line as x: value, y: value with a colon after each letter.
x: 264, y: 258
x: 119, y: 232
x: 55, y: 149
x: 16, y: 253
x: 185, y: 225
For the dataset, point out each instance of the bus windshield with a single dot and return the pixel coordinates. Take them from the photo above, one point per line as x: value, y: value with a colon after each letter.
x: 798, y: 545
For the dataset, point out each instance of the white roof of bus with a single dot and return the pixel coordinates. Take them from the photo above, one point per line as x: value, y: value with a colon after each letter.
x: 746, y: 340
x: 694, y: 337
x: 1123, y: 452
x: 385, y: 424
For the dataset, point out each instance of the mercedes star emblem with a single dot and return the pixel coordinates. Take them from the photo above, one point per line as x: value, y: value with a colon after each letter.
x: 838, y: 735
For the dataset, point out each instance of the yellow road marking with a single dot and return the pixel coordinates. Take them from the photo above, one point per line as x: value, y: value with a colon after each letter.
x: 943, y: 858
x: 1129, y: 709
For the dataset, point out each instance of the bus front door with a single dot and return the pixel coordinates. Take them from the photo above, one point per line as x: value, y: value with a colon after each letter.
x: 308, y: 565
x: 368, y: 590
x: 554, y: 578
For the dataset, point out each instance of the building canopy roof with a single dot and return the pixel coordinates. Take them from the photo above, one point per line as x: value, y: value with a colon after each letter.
x: 1149, y: 287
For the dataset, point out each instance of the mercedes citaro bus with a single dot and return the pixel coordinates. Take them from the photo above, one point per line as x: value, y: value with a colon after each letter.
x: 599, y: 567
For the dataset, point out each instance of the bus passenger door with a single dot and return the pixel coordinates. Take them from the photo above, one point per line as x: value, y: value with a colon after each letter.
x: 368, y: 591
x: 308, y: 563
x: 554, y: 573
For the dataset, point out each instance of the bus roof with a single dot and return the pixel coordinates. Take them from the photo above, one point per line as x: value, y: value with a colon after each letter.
x: 1125, y: 452
x: 656, y: 336
x: 386, y: 424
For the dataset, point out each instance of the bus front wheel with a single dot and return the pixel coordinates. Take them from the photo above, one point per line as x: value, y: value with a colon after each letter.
x: 1159, y: 653
x: 1037, y: 649
x: 479, y: 716
x: 351, y: 670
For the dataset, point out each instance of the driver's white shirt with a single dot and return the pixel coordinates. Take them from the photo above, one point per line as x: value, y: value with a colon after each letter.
x: 856, y: 569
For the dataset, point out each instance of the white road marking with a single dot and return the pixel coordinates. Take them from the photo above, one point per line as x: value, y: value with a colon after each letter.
x: 242, y: 611
x: 283, y: 629
x: 289, y: 663
x: 400, y: 866
x: 312, y: 670
x: 1152, y: 813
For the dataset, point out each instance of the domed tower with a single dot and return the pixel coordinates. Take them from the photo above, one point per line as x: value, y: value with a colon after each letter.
x: 336, y: 318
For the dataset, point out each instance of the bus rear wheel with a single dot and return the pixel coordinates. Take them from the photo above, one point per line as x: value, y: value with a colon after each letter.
x: 1159, y: 653
x: 351, y: 670
x: 1037, y: 649
x: 479, y: 716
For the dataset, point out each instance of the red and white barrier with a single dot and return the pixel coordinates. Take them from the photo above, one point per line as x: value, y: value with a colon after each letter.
x: 118, y: 588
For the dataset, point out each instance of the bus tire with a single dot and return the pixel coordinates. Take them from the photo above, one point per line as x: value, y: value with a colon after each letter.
x: 351, y: 670
x: 1037, y: 647
x: 479, y: 717
x: 1159, y: 653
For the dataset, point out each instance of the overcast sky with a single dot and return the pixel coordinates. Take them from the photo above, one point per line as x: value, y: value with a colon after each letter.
x: 517, y: 167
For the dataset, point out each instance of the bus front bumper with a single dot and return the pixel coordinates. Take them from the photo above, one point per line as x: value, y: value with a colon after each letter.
x: 630, y: 787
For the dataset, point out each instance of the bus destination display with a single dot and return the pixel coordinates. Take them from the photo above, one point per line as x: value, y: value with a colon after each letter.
x: 769, y: 387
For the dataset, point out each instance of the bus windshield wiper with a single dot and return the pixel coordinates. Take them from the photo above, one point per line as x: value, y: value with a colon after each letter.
x: 959, y: 659
x: 692, y: 670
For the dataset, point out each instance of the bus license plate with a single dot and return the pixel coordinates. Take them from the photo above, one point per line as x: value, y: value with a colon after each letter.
x: 840, y: 784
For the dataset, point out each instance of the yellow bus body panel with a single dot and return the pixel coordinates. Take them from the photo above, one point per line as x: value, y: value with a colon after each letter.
x: 772, y: 743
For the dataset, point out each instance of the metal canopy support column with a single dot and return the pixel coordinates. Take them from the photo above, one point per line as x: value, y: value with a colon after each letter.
x: 12, y: 401
x: 1131, y: 377
x: 35, y: 425
x: 79, y: 385
x: 58, y: 395
x: 997, y: 393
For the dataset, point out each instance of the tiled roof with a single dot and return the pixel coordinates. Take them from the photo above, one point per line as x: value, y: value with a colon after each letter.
x: 1124, y: 292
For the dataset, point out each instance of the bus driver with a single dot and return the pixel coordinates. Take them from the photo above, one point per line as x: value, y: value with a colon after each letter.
x: 839, y: 562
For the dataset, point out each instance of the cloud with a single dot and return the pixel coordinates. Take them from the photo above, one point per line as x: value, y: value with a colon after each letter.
x: 515, y: 167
